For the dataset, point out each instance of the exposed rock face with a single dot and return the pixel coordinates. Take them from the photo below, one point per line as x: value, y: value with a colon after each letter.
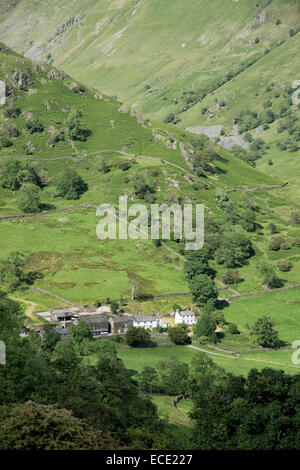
x: 34, y: 53
x: 9, y: 89
x: 2, y: 92
x: 210, y: 131
x: 76, y: 87
x: 187, y: 154
x: 21, y: 79
x: 30, y: 149
x: 141, y: 119
x: 259, y: 21
x: 228, y: 142
x: 55, y: 75
x: 157, y: 136
x: 233, y: 141
x: 123, y: 109
x: 38, y: 68
x: 99, y: 96
x: 171, y: 144
x: 64, y: 27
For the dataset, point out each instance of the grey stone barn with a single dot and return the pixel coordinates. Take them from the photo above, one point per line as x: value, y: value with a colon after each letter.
x: 63, y: 332
x: 119, y: 325
x: 99, y: 325
x: 63, y: 314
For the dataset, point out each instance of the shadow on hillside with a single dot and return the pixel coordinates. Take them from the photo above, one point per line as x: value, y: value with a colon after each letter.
x: 220, y: 171
x: 221, y: 159
x: 144, y: 297
x: 221, y: 304
x: 47, y: 207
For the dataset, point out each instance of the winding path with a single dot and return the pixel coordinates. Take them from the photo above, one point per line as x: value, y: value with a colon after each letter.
x: 146, y: 157
x: 120, y: 152
x: 171, y: 250
x: 82, y: 206
x: 241, y: 358
x: 178, y: 412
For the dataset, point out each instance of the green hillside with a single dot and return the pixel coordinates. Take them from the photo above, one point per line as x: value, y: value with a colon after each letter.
x: 115, y: 151
x: 159, y: 106
x: 211, y: 43
x: 221, y: 59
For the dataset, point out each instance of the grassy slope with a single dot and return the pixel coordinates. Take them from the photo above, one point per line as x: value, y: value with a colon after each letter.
x: 247, y: 91
x: 137, y: 359
x: 209, y: 40
x: 282, y: 307
x: 104, y: 269
x: 177, y: 426
x: 73, y: 262
x: 285, y: 164
x: 60, y: 247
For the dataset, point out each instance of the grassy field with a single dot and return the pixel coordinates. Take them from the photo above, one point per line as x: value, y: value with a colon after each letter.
x: 284, y: 356
x: 78, y: 266
x: 185, y: 406
x: 57, y: 242
x: 177, y: 426
x: 136, y: 359
x: 282, y: 307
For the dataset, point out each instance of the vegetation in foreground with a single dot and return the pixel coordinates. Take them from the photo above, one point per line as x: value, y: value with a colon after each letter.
x: 105, y: 409
x: 65, y: 144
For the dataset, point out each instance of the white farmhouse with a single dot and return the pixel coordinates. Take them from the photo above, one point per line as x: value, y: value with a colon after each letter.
x: 185, y: 316
x: 148, y: 321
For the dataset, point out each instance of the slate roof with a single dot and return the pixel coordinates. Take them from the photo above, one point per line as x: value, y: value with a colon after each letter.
x: 122, y: 320
x: 62, y: 331
x: 95, y: 320
x: 187, y: 313
x: 60, y: 311
x: 145, y: 318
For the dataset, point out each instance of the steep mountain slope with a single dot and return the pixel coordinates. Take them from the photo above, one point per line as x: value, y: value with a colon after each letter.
x: 116, y: 153
x: 151, y: 54
x: 199, y: 64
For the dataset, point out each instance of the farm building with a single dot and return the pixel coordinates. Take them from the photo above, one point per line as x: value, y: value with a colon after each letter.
x: 64, y: 314
x: 99, y: 325
x: 63, y: 332
x: 119, y: 325
x: 185, y: 316
x: 148, y: 321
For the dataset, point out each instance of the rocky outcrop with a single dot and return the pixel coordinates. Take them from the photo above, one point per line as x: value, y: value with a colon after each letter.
x: 55, y: 75
x: 77, y: 87
x: 21, y: 79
